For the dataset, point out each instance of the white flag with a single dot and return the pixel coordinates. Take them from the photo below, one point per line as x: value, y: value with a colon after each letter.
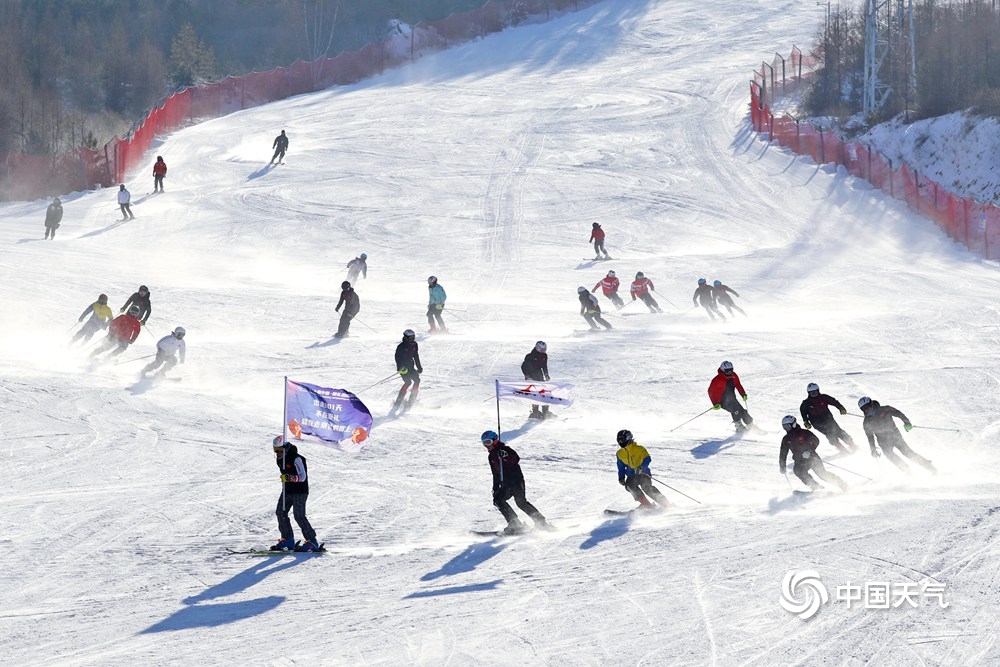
x: 554, y: 393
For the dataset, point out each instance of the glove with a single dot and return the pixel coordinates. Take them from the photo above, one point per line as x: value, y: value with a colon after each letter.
x: 526, y: 377
x: 633, y: 297
x: 621, y: 480
x: 744, y: 396
x: 716, y: 407
x: 402, y: 371
x: 121, y: 310
x: 419, y: 370
x: 336, y: 310
x: 593, y: 290
x: 440, y: 306
x: 843, y: 411
x: 781, y: 469
x: 908, y: 427
x: 546, y: 378
x: 875, y: 453
x: 807, y: 424
x: 289, y: 478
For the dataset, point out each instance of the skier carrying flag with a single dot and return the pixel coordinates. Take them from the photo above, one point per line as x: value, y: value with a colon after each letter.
x: 815, y: 411
x: 878, y: 424
x: 597, y: 237
x: 590, y: 309
x: 641, y: 288
x: 294, y: 494
x: 633, y: 472
x: 704, y: 294
x: 536, y: 367
x: 100, y: 314
x: 508, y: 482
x: 802, y: 444
x: 609, y: 286
x: 435, y: 304
x: 409, y: 368
x: 722, y: 392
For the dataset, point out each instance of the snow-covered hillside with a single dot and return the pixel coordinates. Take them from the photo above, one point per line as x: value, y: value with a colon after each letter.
x: 485, y: 166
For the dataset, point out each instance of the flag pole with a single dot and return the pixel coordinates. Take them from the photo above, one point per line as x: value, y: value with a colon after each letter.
x: 284, y: 450
x: 496, y: 388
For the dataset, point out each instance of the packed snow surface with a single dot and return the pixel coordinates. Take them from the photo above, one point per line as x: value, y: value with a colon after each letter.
x: 485, y: 165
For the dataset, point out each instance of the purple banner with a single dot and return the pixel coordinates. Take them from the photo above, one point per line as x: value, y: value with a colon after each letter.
x: 335, y: 417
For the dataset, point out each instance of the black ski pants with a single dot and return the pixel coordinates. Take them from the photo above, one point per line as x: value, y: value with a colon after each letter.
x: 345, y: 324
x: 296, y: 502
x: 505, y: 492
x: 593, y: 318
x: 892, y: 443
x: 641, y: 484
x: 835, y: 433
x: 815, y: 465
x: 732, y: 405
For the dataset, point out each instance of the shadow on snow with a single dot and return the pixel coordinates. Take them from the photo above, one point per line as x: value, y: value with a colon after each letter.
x: 608, y: 530
x: 467, y: 561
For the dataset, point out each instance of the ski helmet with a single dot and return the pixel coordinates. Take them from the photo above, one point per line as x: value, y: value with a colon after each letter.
x: 102, y: 298
x: 717, y: 283
x: 726, y: 367
x: 864, y: 402
x: 364, y: 256
x: 639, y: 276
x: 581, y: 290
x: 143, y: 288
x: 540, y: 346
x: 489, y: 438
x: 812, y: 389
x: 431, y: 280
x: 596, y: 225
x: 788, y: 422
x: 409, y: 335
x: 702, y: 281
x: 179, y: 332
x: 278, y: 444
x: 134, y: 311
x: 57, y: 201
x: 611, y: 274
x: 624, y: 437
x: 159, y: 158
x: 345, y: 285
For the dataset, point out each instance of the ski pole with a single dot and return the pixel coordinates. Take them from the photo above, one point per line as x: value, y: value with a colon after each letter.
x: 690, y: 420
x: 935, y: 428
x: 378, y: 383
x: 462, y: 319
x: 363, y: 324
x: 787, y: 482
x: 834, y: 465
x: 673, y: 489
x: 665, y: 298
x: 72, y: 327
x: 627, y: 304
x: 129, y: 361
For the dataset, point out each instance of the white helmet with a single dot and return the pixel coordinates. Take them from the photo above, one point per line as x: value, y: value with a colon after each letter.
x: 813, y: 387
x: 179, y: 332
x: 581, y: 290
x: 611, y: 274
x: 431, y: 280
x: 541, y: 346
x: 788, y: 422
x: 726, y: 366
x: 863, y: 402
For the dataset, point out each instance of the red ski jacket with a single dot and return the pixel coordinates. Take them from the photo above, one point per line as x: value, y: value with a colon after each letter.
x: 641, y: 287
x: 160, y: 168
x: 597, y: 234
x: 718, y: 386
x: 125, y: 327
x: 608, y: 285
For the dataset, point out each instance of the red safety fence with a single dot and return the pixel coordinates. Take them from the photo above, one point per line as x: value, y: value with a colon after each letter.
x: 26, y: 177
x: 976, y: 225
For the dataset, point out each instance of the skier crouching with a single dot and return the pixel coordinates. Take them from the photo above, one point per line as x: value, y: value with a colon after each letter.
x: 633, y: 472
x: 802, y: 444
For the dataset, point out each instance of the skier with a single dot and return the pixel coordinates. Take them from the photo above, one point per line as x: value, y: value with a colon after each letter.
x: 409, y: 368
x: 125, y: 203
x: 100, y: 315
x: 721, y: 292
x: 159, y: 172
x: 590, y: 309
x: 609, y: 286
x: 641, y: 287
x: 722, y: 392
x: 358, y: 265
x: 122, y: 332
x: 508, y: 482
x: 802, y: 444
x: 53, y: 216
x: 294, y: 494
x: 878, y: 424
x: 704, y: 294
x: 815, y: 411
x: 435, y: 304
x: 352, y: 305
x: 536, y: 367
x: 597, y: 237
x: 139, y: 298
x: 280, y: 145
x: 633, y: 472
x: 166, y: 349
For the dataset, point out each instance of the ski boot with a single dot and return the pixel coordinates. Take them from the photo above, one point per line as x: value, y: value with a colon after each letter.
x: 535, y: 413
x: 515, y: 527
x: 308, y: 545
x: 284, y: 545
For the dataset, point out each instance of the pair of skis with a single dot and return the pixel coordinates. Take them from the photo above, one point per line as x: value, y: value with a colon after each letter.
x: 269, y: 552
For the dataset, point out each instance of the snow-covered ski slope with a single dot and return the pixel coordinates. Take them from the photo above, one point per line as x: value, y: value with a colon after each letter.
x: 486, y: 165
